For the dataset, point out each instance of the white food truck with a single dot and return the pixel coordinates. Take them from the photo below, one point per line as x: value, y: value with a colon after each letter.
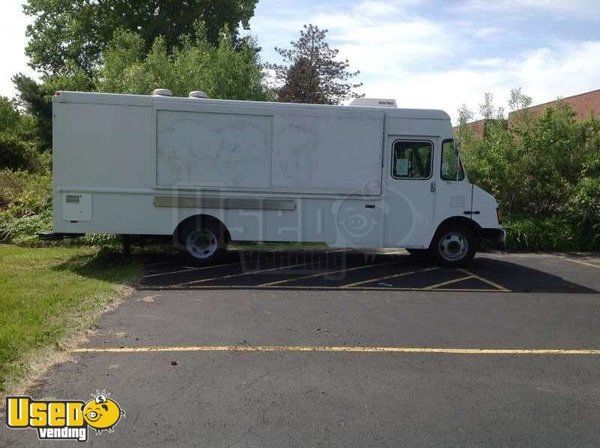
x: 208, y: 172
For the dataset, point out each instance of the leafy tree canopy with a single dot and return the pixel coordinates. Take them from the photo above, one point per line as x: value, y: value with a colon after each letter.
x: 68, y: 34
x: 222, y: 71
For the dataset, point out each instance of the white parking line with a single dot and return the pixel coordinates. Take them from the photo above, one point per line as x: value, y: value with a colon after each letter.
x: 564, y: 257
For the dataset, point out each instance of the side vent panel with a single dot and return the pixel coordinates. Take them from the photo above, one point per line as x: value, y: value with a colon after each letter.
x: 77, y: 206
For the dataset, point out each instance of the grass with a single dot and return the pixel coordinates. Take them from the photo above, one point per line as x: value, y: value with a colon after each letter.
x: 46, y: 294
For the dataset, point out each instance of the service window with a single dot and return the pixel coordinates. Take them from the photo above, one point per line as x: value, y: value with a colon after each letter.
x: 451, y: 167
x: 412, y: 160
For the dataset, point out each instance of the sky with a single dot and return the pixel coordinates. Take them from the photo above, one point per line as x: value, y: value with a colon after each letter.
x: 423, y: 53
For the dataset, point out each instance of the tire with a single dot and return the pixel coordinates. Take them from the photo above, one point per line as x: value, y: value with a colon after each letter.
x: 453, y: 246
x: 204, y: 243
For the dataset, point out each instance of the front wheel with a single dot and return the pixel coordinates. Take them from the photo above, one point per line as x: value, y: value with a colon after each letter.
x: 453, y: 246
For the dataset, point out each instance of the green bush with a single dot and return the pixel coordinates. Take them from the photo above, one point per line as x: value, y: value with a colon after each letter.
x: 25, y: 205
x: 544, y: 169
x: 545, y: 234
x: 584, y: 207
x: 16, y: 154
x: 23, y: 230
x: 23, y: 193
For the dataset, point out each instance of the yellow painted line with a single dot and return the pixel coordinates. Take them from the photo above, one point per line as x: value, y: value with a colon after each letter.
x: 579, y: 261
x: 388, y: 277
x: 484, y: 280
x: 449, y: 282
x: 322, y: 274
x: 260, y: 271
x: 339, y: 349
x: 180, y: 271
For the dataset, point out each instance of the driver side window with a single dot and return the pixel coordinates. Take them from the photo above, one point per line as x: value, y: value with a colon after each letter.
x: 412, y: 160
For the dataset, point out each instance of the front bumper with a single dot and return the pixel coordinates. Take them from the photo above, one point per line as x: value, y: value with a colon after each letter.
x: 495, y: 236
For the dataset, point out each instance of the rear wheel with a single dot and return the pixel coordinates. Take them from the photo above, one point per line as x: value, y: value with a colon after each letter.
x: 204, y: 243
x: 453, y: 246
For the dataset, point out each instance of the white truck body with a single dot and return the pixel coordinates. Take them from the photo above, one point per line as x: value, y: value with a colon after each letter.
x: 132, y: 164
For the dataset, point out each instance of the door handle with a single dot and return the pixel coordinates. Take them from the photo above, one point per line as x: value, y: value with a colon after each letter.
x: 432, y: 188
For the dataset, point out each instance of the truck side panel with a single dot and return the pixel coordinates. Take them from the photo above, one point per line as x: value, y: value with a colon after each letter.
x: 327, y: 152
x: 219, y: 150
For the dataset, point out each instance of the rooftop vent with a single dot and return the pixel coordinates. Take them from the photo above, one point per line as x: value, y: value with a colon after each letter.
x: 162, y: 92
x: 373, y: 102
x: 198, y: 94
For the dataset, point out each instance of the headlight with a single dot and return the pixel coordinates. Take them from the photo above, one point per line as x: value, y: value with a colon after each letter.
x: 499, y: 214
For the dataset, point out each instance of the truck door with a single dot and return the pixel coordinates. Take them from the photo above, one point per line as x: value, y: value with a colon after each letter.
x: 409, y: 191
x: 453, y: 195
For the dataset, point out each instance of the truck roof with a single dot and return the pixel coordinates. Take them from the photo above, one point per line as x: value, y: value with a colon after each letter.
x: 148, y: 100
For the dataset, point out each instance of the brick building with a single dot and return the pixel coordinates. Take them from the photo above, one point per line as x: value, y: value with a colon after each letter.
x: 480, y: 127
x: 584, y: 105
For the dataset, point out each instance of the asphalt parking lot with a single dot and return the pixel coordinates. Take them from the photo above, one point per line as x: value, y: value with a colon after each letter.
x: 336, y: 348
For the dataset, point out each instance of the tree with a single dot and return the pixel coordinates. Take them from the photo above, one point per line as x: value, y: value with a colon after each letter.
x: 311, y: 72
x: 488, y: 110
x: 36, y: 99
x: 68, y: 34
x: 301, y: 84
x: 10, y: 117
x: 518, y: 100
x: 16, y: 153
x: 224, y: 71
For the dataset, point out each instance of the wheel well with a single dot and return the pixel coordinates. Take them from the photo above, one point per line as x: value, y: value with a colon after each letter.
x: 462, y: 221
x: 204, y: 220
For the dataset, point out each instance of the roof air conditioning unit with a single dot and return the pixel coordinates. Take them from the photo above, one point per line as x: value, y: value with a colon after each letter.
x: 162, y: 92
x: 198, y: 94
x: 373, y: 102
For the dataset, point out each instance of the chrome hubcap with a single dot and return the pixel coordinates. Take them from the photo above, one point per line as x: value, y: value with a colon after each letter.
x: 453, y: 246
x: 201, y: 243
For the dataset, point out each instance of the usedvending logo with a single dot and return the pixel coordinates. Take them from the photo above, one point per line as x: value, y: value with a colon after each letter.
x: 64, y: 419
